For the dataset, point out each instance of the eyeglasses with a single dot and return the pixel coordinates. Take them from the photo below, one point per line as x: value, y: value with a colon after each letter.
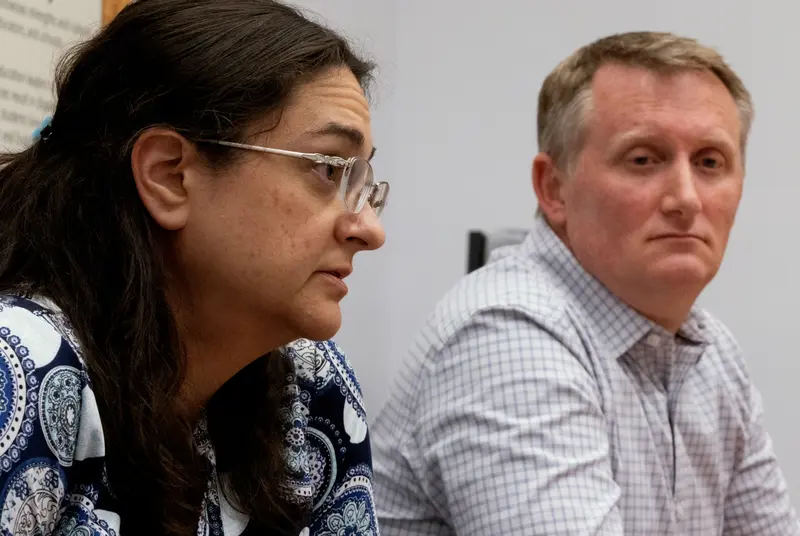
x: 356, y: 182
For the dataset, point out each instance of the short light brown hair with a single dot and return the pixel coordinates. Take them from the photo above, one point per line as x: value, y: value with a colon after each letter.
x: 565, y: 97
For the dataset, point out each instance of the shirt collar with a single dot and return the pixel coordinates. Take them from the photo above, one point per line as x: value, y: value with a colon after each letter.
x: 611, y: 325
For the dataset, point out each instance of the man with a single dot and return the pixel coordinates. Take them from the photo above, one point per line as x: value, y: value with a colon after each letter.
x: 572, y: 386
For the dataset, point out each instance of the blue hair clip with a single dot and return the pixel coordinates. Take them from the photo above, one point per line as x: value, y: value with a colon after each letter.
x: 44, y: 130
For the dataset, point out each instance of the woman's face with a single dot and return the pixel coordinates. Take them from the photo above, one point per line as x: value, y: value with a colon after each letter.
x: 267, y: 240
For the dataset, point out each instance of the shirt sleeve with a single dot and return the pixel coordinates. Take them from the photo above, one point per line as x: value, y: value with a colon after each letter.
x: 43, y: 386
x: 340, y: 459
x: 509, y: 437
x: 758, y: 502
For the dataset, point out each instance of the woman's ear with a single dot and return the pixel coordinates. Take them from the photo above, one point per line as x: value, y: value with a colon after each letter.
x: 159, y: 161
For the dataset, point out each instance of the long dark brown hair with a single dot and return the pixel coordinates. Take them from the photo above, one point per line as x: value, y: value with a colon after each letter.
x: 72, y: 228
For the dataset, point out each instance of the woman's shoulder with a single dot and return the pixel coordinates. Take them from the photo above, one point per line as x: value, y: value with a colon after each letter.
x: 329, y: 392
x: 35, y: 329
x: 50, y: 428
x: 335, y: 454
x: 324, y: 365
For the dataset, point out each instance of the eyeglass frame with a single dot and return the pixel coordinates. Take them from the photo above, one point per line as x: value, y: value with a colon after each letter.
x: 368, y: 191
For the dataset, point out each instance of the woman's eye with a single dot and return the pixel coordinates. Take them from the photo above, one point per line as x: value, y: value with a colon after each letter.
x: 327, y: 172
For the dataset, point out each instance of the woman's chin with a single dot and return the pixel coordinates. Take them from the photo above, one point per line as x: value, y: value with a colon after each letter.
x: 321, y: 323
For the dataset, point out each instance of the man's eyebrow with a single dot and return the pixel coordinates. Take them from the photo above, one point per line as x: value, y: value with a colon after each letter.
x: 621, y: 139
x: 355, y: 136
x: 714, y: 136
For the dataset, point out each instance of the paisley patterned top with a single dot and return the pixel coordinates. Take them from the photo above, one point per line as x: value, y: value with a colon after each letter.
x: 52, y: 473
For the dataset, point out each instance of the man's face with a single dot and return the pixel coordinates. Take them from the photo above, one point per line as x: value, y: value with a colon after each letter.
x: 657, y: 184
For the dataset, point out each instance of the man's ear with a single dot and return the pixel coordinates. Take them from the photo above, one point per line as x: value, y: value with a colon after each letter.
x: 159, y: 162
x: 548, y: 183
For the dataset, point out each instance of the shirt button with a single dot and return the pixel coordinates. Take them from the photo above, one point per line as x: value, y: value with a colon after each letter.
x: 653, y: 339
x: 679, y: 513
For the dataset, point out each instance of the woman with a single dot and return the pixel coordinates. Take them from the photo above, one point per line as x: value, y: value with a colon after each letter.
x: 191, y: 210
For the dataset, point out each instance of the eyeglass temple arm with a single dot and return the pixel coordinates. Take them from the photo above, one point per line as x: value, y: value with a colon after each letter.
x: 314, y: 157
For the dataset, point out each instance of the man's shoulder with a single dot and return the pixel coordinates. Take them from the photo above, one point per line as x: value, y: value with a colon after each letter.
x: 513, y: 282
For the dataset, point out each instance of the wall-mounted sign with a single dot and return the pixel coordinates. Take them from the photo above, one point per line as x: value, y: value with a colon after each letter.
x: 34, y: 34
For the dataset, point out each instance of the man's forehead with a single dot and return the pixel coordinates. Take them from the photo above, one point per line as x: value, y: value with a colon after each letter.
x: 615, y: 82
x: 641, y: 99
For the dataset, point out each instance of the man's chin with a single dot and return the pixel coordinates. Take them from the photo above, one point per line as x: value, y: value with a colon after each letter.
x: 680, y: 270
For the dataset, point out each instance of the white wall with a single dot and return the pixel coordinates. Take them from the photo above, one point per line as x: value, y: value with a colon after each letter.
x: 370, y: 25
x: 33, y: 35
x: 456, y: 126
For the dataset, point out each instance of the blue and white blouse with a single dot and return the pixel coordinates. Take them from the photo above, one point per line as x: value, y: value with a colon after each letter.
x: 52, y: 470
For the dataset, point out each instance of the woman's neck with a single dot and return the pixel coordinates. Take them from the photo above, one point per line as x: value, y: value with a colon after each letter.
x: 219, y: 341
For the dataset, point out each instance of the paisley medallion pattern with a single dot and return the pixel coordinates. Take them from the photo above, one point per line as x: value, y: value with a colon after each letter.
x: 52, y: 470
x: 59, y: 407
x: 31, y: 498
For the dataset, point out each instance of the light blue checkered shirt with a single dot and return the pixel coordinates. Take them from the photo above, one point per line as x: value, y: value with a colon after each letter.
x: 536, y: 403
